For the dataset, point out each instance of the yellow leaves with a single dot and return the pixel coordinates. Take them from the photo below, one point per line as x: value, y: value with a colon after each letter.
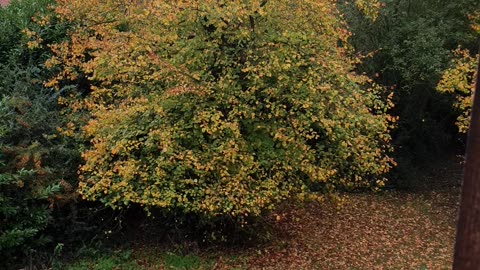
x: 369, y: 8
x: 114, y: 55
x: 380, y: 183
x: 34, y: 40
x: 459, y: 80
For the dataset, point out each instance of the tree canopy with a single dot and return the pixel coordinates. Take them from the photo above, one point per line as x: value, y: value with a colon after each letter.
x: 218, y: 107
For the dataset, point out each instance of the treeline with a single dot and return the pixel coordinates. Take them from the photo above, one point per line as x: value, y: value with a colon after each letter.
x: 425, y: 51
x: 215, y: 113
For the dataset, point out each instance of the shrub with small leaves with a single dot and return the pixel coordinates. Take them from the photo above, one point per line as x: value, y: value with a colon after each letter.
x: 217, y: 107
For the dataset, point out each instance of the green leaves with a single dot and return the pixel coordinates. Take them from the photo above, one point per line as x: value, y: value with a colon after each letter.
x: 35, y: 164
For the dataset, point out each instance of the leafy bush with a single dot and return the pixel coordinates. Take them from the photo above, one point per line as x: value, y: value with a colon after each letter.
x: 22, y: 216
x: 217, y: 108
x: 26, y: 184
x: 36, y: 165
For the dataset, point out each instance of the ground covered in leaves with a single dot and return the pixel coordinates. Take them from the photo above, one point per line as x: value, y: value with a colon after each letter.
x: 390, y: 230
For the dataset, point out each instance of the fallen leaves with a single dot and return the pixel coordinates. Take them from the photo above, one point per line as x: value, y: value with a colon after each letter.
x: 390, y: 231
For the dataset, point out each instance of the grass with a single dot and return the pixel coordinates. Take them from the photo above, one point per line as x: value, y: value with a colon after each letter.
x: 126, y: 260
x: 121, y: 261
x: 174, y: 261
x: 392, y: 230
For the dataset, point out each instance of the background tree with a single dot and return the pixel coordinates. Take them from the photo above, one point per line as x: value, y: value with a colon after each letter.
x: 408, y: 48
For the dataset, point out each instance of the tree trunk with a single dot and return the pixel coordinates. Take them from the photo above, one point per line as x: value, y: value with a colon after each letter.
x: 467, y: 246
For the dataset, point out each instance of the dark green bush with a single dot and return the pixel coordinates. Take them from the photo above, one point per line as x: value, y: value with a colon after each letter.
x: 37, y: 167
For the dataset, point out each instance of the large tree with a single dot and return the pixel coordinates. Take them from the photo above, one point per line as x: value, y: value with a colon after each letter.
x: 217, y: 107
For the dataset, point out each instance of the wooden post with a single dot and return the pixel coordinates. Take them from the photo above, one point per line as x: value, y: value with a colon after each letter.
x: 467, y: 245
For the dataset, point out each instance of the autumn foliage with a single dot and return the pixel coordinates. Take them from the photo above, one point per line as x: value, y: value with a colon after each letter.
x: 217, y: 107
x: 459, y: 78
